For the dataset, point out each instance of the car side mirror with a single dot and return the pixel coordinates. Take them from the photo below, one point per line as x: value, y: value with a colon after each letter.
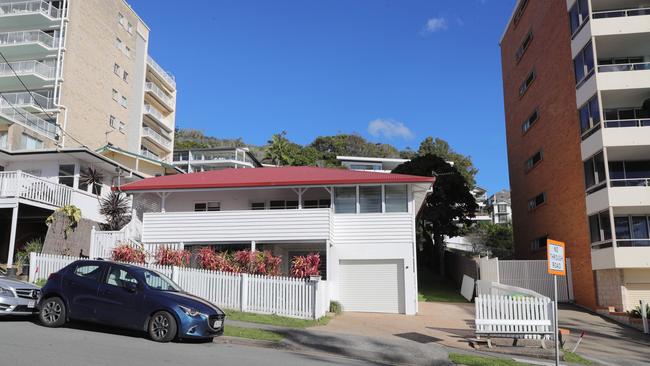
x: 131, y: 286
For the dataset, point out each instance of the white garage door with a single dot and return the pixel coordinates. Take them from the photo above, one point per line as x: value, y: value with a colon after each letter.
x: 372, y: 285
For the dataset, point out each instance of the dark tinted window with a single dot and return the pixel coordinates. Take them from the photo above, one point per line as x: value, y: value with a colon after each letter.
x: 119, y: 277
x: 90, y: 271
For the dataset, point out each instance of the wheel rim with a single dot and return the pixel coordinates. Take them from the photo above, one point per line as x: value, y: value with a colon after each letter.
x: 160, y: 326
x: 52, y: 312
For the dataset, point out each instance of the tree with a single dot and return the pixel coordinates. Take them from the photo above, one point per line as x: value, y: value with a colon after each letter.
x: 497, y: 238
x: 441, y: 148
x: 117, y: 210
x: 449, y: 207
x: 280, y: 150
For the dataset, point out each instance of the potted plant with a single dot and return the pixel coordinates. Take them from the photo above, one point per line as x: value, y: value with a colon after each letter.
x: 22, y: 256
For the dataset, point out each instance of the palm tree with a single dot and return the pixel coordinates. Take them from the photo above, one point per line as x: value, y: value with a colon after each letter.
x: 279, y: 150
x: 91, y: 177
x: 117, y: 210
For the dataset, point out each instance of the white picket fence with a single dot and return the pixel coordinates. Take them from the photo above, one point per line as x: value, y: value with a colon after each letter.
x: 528, y: 274
x: 291, y: 297
x: 514, y: 317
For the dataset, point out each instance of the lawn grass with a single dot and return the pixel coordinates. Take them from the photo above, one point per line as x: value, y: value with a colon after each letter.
x: 249, y: 333
x: 435, y: 288
x: 575, y: 358
x: 471, y: 360
x: 280, y: 321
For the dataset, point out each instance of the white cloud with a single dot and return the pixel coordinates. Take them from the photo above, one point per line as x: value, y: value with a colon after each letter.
x: 435, y: 24
x: 389, y: 129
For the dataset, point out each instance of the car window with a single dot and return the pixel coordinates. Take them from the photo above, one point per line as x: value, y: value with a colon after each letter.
x: 158, y: 281
x: 119, y: 277
x: 89, y: 271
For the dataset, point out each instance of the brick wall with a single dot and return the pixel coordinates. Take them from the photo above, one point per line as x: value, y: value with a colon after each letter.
x: 610, y: 283
x: 560, y: 173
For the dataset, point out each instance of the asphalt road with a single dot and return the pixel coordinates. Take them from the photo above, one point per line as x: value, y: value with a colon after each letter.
x: 24, y: 342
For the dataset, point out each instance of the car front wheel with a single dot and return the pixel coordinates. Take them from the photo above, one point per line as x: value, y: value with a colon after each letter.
x: 53, y: 312
x: 162, y: 327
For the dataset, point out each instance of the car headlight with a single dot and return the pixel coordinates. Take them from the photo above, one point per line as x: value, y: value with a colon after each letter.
x: 6, y: 292
x: 190, y: 311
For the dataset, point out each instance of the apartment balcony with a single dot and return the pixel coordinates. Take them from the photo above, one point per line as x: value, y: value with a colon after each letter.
x: 213, y: 159
x: 150, y: 155
x: 161, y: 96
x: 157, y: 139
x: 27, y: 44
x: 11, y: 114
x: 160, y: 73
x: 29, y: 14
x: 620, y: 255
x: 157, y: 117
x: 34, y: 74
x: 31, y: 102
x: 620, y: 17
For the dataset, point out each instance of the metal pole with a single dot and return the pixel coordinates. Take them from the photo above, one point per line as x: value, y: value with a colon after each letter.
x: 555, y: 325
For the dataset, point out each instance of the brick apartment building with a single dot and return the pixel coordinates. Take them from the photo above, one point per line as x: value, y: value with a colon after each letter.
x: 563, y: 185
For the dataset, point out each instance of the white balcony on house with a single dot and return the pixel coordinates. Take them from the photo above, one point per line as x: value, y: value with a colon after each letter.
x: 25, y: 44
x: 34, y: 74
x: 20, y: 185
x: 11, y: 114
x: 620, y: 257
x: 30, y: 102
x: 34, y: 13
x: 160, y: 73
x: 159, y: 95
x: 156, y: 116
x: 157, y: 139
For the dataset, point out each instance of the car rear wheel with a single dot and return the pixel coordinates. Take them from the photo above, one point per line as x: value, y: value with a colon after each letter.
x: 162, y: 327
x: 53, y: 312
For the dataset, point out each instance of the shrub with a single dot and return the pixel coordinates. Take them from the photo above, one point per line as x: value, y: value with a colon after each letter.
x: 172, y: 257
x: 335, y: 307
x: 305, y: 266
x: 242, y: 261
x: 22, y: 256
x: 636, y: 313
x: 127, y: 253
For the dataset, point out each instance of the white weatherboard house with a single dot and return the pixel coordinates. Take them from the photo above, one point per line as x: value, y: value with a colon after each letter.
x: 362, y: 223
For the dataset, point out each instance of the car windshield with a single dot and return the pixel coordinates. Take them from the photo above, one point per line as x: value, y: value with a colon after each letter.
x: 158, y: 281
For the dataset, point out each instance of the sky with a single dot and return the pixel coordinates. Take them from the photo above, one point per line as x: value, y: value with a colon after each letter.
x: 393, y: 71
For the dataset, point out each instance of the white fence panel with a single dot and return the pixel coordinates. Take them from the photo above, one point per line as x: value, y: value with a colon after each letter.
x: 514, y: 317
x: 103, y: 242
x: 489, y: 269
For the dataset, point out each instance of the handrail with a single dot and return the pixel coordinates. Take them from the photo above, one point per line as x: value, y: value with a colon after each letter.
x: 157, y: 115
x: 153, y: 88
x: 29, y: 36
x: 29, y: 120
x: 32, y: 6
x: 643, y: 122
x: 630, y: 182
x: 27, y: 98
x: 27, y: 186
x: 149, y: 132
x: 27, y: 67
x: 621, y: 13
x: 149, y: 154
x: 167, y: 76
x: 634, y: 66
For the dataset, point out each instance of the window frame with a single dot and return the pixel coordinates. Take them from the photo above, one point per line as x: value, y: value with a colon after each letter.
x: 587, y: 73
x: 527, y: 83
x: 207, y: 206
x: 519, y: 12
x: 530, y: 122
x: 530, y: 163
x: 532, y: 202
x: 523, y: 46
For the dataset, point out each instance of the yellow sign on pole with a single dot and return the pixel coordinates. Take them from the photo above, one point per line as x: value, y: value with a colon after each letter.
x: 556, y: 255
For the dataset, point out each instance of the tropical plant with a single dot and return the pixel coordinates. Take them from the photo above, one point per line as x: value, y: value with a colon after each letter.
x: 636, y: 312
x: 117, y: 210
x: 335, y: 307
x: 72, y: 214
x: 172, y: 257
x: 280, y: 149
x: 242, y: 261
x: 22, y: 256
x: 305, y: 266
x: 91, y: 177
x: 128, y: 253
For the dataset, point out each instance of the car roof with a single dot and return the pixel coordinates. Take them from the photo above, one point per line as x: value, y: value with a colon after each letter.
x: 99, y: 261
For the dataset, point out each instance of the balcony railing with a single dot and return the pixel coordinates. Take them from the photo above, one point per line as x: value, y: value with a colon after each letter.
x: 23, y: 99
x: 169, y: 78
x: 621, y: 13
x: 34, y: 6
x: 627, y: 123
x: 29, y: 120
x: 625, y: 67
x: 164, y: 141
x: 164, y: 97
x: 24, y: 37
x: 630, y: 182
x: 156, y: 114
x: 27, y: 67
x: 149, y: 154
x: 621, y: 243
x: 26, y: 186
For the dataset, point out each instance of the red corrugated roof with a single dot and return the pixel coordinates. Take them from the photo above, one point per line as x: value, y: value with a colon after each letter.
x: 269, y: 177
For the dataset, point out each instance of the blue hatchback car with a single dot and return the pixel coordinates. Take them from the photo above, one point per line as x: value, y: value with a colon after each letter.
x: 127, y: 296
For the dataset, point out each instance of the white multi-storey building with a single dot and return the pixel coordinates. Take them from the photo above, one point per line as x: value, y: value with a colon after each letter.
x: 77, y: 73
x: 611, y: 53
x: 200, y: 160
x: 499, y: 207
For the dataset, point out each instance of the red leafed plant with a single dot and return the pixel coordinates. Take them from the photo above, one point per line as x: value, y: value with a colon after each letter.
x: 242, y: 261
x: 208, y: 259
x: 271, y: 263
x: 172, y: 257
x: 128, y: 253
x: 305, y: 266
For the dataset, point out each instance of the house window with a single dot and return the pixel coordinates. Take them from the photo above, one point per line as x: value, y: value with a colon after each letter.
x: 122, y: 129
x: 502, y: 219
x: 534, y: 160
x: 583, y: 64
x: 539, y: 243
x: 3, y: 140
x: 324, y: 203
x: 66, y: 174
x: 207, y: 206
x: 527, y: 83
x: 258, y: 205
x: 345, y: 199
x: 578, y: 15
x: 28, y: 142
x: 116, y: 69
x: 396, y: 198
x: 125, y: 76
x: 129, y: 28
x: 520, y: 11
x: 116, y: 95
x: 524, y: 46
x: 502, y: 208
x: 528, y: 123
x: 594, y: 169
x: 600, y: 229
x: 120, y: 18
x: 370, y: 199
x: 127, y: 51
x: 537, y: 201
x: 589, y: 115
x: 111, y: 121
x: 118, y: 43
x: 124, y: 102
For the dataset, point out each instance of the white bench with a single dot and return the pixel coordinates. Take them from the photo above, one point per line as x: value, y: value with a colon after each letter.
x: 512, y: 317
